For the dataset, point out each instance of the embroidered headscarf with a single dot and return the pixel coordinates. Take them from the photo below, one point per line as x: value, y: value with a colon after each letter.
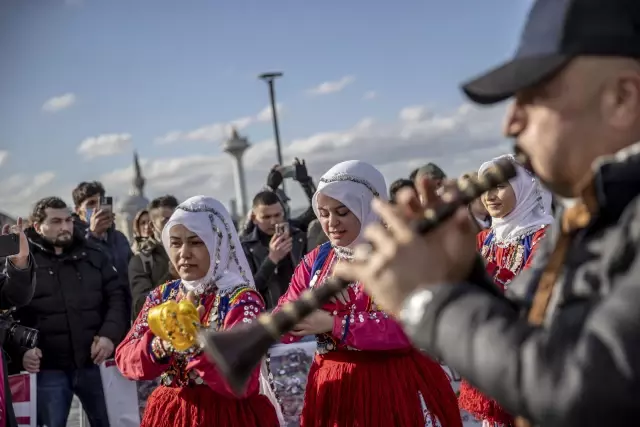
x: 354, y: 184
x: 209, y: 219
x: 533, y: 205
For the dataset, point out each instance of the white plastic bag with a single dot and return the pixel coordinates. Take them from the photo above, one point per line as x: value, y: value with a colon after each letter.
x: 121, y: 396
x: 24, y: 394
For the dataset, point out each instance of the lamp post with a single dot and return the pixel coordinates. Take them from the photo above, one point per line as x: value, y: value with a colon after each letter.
x: 269, y: 78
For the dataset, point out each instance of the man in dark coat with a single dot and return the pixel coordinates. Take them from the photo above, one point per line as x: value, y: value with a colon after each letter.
x: 562, y: 347
x: 80, y: 309
x: 97, y: 225
x: 272, y: 257
x: 17, y: 285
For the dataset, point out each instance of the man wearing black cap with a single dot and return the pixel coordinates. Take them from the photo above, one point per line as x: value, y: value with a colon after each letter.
x: 562, y: 348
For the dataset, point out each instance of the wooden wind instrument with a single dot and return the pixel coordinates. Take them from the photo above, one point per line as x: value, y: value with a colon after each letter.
x: 238, y: 351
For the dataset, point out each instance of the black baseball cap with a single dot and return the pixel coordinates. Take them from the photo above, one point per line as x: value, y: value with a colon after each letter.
x: 557, y: 31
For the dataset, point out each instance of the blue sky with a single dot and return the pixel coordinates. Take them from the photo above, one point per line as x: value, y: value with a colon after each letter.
x: 149, y: 67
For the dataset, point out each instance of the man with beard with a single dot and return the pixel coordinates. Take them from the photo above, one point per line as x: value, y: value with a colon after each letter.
x: 562, y: 346
x: 150, y: 267
x: 80, y: 310
x: 272, y: 255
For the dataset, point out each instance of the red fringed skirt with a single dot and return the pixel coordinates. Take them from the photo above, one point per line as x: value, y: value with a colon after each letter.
x: 199, y: 406
x: 482, y: 407
x: 378, y: 389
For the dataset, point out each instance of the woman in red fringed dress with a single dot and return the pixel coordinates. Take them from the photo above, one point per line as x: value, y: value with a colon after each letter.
x: 204, y: 247
x: 520, y: 212
x: 366, y: 373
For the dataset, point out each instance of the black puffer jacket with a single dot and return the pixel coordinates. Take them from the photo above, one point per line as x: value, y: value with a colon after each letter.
x: 270, y: 282
x: 78, y: 296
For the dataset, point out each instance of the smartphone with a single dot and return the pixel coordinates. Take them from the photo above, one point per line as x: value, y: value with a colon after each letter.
x: 106, y: 204
x: 88, y: 213
x: 288, y: 171
x: 9, y: 245
x: 282, y: 228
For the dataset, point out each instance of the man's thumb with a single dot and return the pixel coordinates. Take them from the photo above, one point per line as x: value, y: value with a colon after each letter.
x: 38, y: 352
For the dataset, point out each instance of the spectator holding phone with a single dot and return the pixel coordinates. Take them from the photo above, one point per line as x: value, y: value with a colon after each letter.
x: 273, y: 248
x: 17, y: 284
x: 95, y: 219
x: 298, y: 172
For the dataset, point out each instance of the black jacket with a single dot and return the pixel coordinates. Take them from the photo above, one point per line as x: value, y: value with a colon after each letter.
x: 116, y: 246
x: 582, y: 366
x: 79, y: 295
x: 315, y: 235
x: 264, y: 269
x: 16, y: 290
x: 147, y: 270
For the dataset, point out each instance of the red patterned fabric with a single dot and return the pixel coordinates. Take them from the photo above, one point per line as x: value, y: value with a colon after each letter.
x: 200, y: 406
x: 470, y: 399
x: 185, y: 373
x: 504, y: 263
x: 378, y: 389
x: 358, y: 324
x: 368, y: 374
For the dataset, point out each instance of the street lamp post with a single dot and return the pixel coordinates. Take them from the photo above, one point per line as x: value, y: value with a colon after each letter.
x: 269, y: 78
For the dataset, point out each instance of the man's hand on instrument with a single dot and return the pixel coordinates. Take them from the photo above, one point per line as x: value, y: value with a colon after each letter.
x: 401, y: 260
x: 317, y: 322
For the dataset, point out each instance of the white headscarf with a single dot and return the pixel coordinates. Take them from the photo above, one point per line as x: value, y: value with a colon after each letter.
x: 209, y: 219
x: 533, y: 205
x: 354, y: 184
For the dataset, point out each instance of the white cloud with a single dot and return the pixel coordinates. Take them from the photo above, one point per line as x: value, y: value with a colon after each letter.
x: 458, y: 141
x: 4, y: 155
x: 59, y: 103
x: 217, y: 131
x: 264, y: 116
x: 414, y: 113
x: 104, y: 145
x: 369, y: 95
x: 19, y: 192
x: 328, y: 87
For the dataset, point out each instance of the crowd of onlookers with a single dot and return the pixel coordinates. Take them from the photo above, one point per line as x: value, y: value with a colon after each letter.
x: 92, y: 281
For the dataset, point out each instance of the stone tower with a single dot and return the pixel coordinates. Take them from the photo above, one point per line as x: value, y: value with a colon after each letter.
x: 236, y: 147
x: 129, y: 206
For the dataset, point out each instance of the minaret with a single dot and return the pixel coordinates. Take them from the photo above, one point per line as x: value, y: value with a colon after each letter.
x: 236, y: 146
x: 137, y: 189
x: 130, y: 205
